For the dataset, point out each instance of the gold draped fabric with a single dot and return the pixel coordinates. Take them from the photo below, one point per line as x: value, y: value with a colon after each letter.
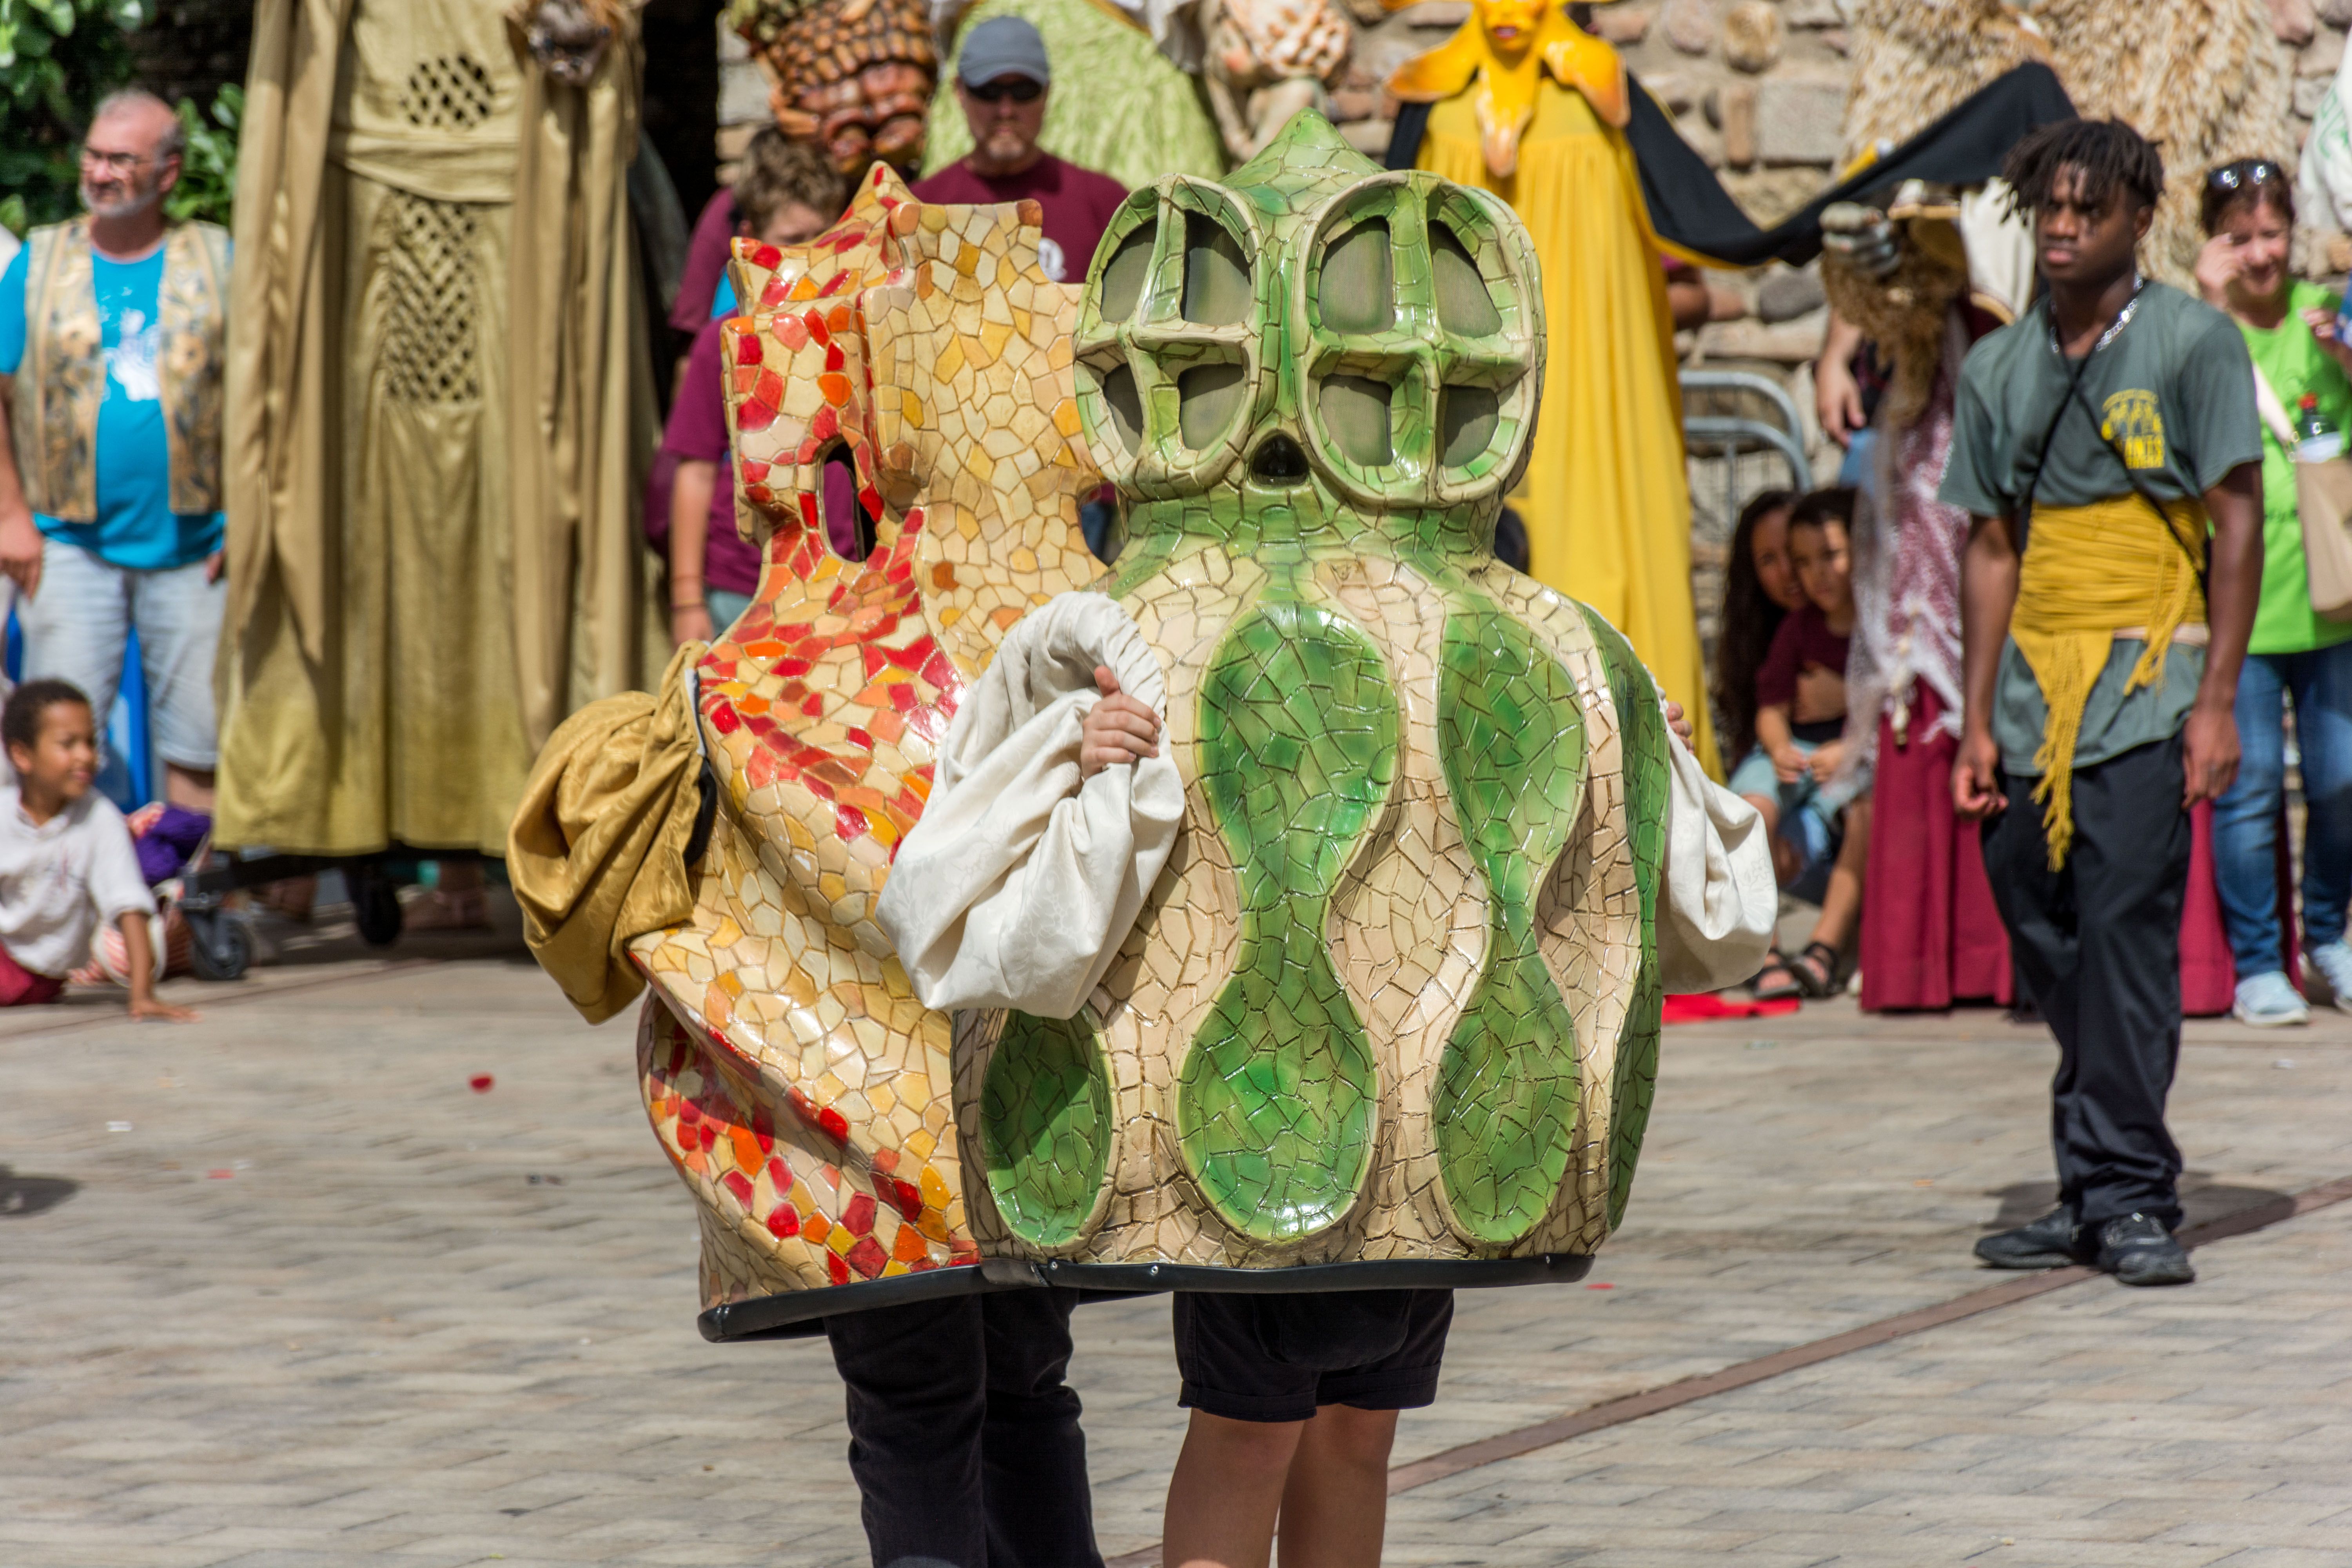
x: 440, y: 408
x: 598, y: 852
x: 2091, y: 573
x: 1606, y: 500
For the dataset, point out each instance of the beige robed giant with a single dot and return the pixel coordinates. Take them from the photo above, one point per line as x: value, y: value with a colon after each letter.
x: 439, y: 413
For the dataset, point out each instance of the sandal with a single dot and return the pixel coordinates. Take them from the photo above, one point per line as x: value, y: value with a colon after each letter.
x: 1777, y: 979
x: 1815, y: 970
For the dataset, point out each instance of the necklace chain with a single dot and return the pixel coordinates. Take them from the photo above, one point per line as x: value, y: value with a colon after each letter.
x: 2123, y: 320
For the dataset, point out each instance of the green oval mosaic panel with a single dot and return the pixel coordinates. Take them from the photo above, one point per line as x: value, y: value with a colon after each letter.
x: 1511, y: 737
x: 1275, y: 1099
x: 1641, y: 742
x: 1045, y: 1125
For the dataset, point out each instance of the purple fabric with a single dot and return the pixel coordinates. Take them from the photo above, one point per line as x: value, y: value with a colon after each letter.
x: 1804, y: 640
x: 168, y: 842
x: 707, y: 255
x: 698, y: 429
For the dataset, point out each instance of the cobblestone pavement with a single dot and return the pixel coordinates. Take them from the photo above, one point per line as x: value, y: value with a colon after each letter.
x: 321, y: 1302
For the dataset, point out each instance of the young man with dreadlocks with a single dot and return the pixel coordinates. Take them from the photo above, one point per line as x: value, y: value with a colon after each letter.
x: 2108, y: 448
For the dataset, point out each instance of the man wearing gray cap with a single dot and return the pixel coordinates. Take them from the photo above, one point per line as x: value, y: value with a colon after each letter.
x: 1001, y: 80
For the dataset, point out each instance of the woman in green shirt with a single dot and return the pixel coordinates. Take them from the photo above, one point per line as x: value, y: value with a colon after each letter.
x: 2294, y: 654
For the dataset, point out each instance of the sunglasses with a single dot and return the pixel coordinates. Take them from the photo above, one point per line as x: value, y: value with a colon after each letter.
x: 1019, y: 89
x: 2244, y: 175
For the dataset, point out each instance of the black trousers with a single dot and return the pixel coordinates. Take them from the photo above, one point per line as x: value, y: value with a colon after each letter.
x: 2097, y: 944
x: 963, y: 1435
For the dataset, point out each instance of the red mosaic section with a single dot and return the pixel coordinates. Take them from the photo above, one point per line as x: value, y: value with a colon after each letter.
x: 828, y: 640
x: 859, y: 1210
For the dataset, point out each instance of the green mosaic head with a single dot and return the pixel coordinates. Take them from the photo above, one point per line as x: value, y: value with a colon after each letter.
x: 1396, y: 997
x: 1316, y: 349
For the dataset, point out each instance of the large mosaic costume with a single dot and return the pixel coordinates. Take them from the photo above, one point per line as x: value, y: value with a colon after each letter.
x: 1388, y: 1011
x: 439, y: 408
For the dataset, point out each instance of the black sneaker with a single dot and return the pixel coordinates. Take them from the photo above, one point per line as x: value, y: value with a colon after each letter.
x: 2047, y: 1243
x: 2139, y: 1250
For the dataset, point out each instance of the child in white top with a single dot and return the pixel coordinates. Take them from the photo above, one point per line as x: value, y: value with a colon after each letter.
x: 66, y: 863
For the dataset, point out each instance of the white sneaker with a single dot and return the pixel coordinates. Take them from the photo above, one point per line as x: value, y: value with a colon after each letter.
x: 2334, y: 962
x: 2268, y: 1002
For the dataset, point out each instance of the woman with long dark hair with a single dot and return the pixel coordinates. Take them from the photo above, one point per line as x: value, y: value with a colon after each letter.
x: 1760, y: 587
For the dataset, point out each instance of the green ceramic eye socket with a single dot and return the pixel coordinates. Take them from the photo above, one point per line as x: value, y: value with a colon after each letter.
x: 1466, y: 418
x: 1356, y: 291
x: 1216, y: 274
x: 1356, y: 412
x: 1463, y: 305
x: 1117, y: 392
x: 1123, y: 276
x: 1169, y: 344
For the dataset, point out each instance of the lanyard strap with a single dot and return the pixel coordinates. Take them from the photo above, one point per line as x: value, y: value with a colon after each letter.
x: 2074, y: 390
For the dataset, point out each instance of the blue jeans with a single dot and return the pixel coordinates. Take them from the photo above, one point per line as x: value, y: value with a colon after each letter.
x: 726, y: 606
x: 2245, y: 820
x: 77, y: 627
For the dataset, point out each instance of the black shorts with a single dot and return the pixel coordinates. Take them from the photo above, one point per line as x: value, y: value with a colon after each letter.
x: 1276, y: 1358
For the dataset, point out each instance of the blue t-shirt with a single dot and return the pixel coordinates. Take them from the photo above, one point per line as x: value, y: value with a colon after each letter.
x: 136, y: 527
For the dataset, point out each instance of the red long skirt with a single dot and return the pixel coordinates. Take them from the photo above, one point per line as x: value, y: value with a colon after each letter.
x: 1930, y: 934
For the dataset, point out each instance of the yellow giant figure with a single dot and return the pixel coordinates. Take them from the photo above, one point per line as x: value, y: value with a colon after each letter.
x: 1527, y: 105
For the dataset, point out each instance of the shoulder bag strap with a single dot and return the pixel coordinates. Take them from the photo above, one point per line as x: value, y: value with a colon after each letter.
x: 2273, y: 412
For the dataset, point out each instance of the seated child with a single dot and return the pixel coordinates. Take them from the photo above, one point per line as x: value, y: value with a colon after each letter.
x: 1820, y: 831
x: 67, y: 862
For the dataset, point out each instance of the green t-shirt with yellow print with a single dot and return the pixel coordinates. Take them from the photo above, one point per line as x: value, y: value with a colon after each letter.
x: 2174, y: 391
x: 2291, y: 361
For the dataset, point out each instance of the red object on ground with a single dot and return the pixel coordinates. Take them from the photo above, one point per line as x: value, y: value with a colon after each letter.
x: 1931, y: 934
x: 1699, y: 1007
x: 481, y: 1082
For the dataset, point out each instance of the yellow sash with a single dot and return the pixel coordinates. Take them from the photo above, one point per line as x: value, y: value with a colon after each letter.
x: 2089, y: 572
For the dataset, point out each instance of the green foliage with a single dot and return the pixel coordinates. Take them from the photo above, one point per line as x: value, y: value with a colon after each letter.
x: 208, y: 172
x: 57, y: 58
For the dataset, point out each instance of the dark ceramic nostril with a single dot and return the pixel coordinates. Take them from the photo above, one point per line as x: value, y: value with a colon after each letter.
x: 1278, y: 461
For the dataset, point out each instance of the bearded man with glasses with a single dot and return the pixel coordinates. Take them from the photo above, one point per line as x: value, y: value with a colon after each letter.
x: 111, y: 330
x: 1002, y: 81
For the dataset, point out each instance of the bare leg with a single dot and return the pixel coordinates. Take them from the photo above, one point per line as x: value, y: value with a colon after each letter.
x: 1841, y: 904
x: 1226, y: 1492
x: 1335, y: 1509
x: 1785, y: 865
x: 191, y: 789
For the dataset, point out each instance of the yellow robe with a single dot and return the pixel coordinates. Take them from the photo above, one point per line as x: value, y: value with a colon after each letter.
x: 1607, y: 499
x: 440, y: 410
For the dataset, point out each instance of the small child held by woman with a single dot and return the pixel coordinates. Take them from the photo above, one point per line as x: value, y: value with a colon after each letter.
x: 1820, y: 828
